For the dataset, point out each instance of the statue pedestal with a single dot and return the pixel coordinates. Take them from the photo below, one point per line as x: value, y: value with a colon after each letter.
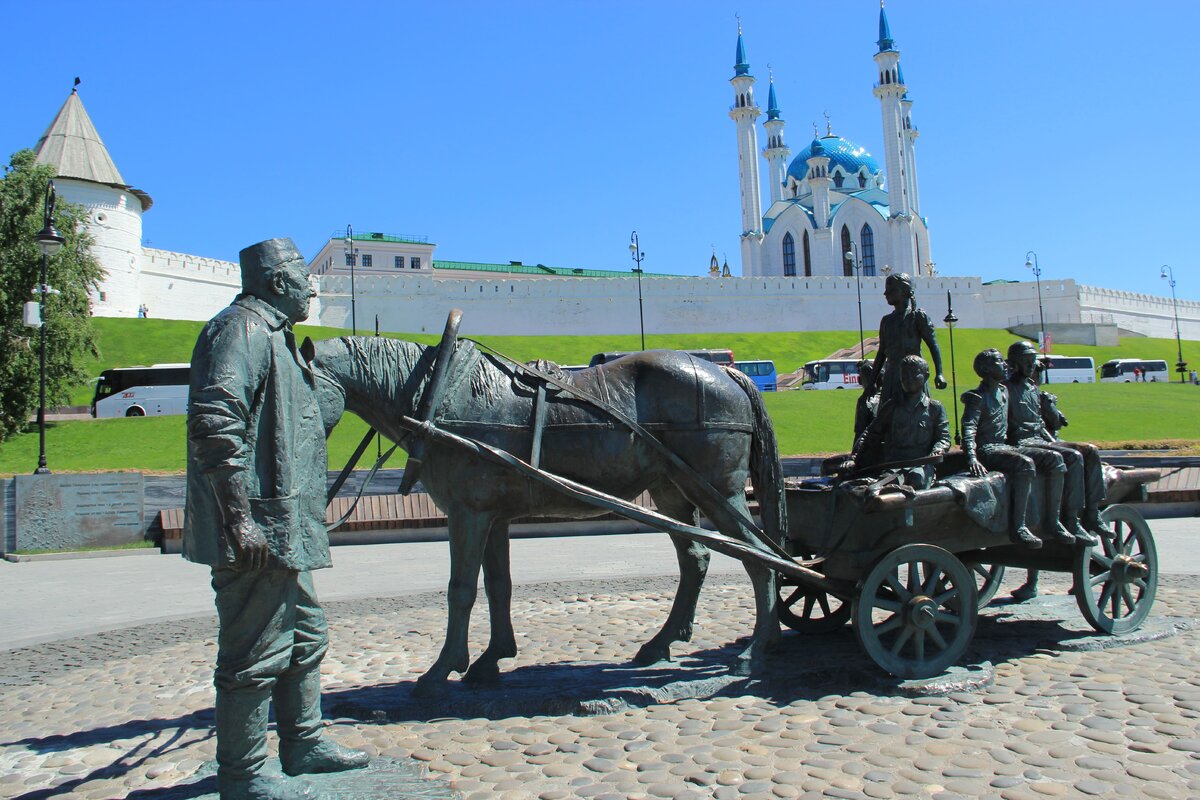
x: 382, y: 779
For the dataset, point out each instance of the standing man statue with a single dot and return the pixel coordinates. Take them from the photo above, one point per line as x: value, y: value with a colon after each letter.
x: 256, y: 470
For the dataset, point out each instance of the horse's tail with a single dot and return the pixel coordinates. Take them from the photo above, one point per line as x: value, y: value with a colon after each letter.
x: 766, y: 472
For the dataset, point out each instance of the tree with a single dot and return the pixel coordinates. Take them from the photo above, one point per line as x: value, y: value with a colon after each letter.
x: 73, y: 271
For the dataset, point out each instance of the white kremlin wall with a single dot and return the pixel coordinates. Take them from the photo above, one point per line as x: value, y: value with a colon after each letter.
x: 583, y: 306
x: 179, y: 286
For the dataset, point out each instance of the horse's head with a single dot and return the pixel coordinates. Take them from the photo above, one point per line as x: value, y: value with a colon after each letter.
x: 323, y: 359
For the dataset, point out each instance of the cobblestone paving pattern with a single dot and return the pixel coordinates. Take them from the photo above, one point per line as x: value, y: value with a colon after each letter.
x: 119, y: 715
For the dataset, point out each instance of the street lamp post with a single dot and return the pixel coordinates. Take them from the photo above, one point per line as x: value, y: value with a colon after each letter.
x: 635, y: 250
x: 1169, y: 275
x: 351, y: 257
x: 49, y: 242
x: 852, y: 257
x: 1031, y: 262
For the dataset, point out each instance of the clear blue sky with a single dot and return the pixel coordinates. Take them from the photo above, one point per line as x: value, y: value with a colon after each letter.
x: 547, y: 131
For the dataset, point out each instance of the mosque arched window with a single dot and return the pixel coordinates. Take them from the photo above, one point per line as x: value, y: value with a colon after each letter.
x: 838, y: 178
x: 862, y: 179
x: 807, y: 257
x: 867, y: 246
x: 847, y: 263
x: 789, y: 255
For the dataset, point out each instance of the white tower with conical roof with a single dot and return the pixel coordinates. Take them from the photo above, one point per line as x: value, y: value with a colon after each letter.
x: 744, y: 113
x: 776, y: 152
x: 86, y: 175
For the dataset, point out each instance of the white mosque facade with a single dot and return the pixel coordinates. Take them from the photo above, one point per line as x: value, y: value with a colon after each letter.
x: 833, y: 198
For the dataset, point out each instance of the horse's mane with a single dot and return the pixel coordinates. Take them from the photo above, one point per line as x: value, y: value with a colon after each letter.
x: 383, y: 367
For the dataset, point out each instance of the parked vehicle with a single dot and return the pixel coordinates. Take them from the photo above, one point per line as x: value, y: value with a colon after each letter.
x: 831, y: 373
x: 1121, y: 370
x: 157, y: 390
x: 762, y: 372
x: 1058, y: 368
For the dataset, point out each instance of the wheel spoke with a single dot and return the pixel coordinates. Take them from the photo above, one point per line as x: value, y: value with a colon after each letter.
x: 1103, y: 561
x: 823, y: 601
x: 919, y: 644
x: 905, y: 633
x: 889, y: 625
x: 1116, y: 605
x: 936, y: 635
x: 1105, y: 596
x: 1127, y: 544
x: 947, y: 618
x: 945, y: 598
x: 914, y: 578
x: 1101, y: 578
x: 887, y: 605
x: 894, y: 583
x: 933, y: 579
x: 791, y: 598
x: 1127, y: 596
x: 1140, y: 583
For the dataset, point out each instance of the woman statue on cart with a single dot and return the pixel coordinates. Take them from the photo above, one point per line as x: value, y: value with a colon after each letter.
x: 900, y: 334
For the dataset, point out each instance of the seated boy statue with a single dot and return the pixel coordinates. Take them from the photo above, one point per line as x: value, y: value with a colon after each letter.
x: 910, y: 428
x: 985, y: 443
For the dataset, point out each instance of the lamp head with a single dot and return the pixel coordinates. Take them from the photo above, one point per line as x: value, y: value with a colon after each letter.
x: 1163, y: 272
x: 49, y: 241
x: 849, y: 255
x: 633, y: 249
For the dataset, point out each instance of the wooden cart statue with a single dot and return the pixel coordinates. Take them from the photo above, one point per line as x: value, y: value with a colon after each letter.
x: 494, y: 439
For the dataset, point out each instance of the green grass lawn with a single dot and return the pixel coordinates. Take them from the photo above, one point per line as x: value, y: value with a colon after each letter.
x: 806, y: 422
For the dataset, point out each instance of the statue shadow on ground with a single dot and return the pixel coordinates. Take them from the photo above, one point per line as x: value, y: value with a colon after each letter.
x: 166, y: 736
x: 802, y: 667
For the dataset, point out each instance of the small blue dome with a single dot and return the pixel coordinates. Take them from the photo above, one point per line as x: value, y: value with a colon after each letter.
x: 849, y: 156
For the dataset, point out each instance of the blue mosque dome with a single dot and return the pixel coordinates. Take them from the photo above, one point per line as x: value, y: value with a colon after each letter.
x: 849, y: 156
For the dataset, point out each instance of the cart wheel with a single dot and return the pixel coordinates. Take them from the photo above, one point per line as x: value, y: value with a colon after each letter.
x: 987, y: 581
x: 1115, y: 583
x: 809, y: 610
x: 916, y: 611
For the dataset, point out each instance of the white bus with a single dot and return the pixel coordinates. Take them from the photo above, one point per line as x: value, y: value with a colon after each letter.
x: 831, y: 373
x: 1120, y: 370
x: 142, y: 391
x: 1067, y: 369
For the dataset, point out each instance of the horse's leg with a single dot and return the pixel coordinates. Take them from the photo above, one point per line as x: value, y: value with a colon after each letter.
x: 468, y: 533
x: 693, y: 560
x: 497, y: 583
x: 766, y: 635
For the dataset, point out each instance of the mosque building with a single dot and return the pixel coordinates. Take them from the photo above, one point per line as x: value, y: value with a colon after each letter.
x: 831, y: 207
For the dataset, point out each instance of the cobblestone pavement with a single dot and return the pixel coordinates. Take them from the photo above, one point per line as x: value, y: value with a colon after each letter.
x: 124, y: 715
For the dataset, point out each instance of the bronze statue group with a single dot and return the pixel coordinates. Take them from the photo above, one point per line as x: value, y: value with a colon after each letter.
x: 256, y: 488
x: 1009, y: 425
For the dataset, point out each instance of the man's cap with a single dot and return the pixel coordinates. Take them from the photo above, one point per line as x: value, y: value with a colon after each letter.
x: 1021, y: 348
x: 266, y: 256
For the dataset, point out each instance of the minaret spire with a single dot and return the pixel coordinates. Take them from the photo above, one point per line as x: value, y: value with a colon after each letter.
x: 744, y: 112
x: 776, y: 152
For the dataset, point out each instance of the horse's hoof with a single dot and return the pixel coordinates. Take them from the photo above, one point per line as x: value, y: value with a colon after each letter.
x: 430, y: 688
x: 483, y: 675
x: 649, y: 655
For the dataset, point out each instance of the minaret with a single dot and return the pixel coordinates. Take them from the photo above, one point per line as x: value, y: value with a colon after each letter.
x: 910, y: 146
x: 776, y: 152
x: 890, y: 90
x: 744, y: 113
x: 85, y: 174
x: 819, y: 181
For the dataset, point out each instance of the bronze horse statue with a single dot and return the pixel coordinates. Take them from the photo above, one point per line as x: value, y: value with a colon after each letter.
x: 713, y: 419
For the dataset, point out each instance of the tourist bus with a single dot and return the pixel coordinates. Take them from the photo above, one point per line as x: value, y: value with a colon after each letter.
x: 763, y: 374
x: 142, y: 391
x: 1120, y: 370
x: 723, y: 357
x: 831, y: 373
x: 1057, y: 368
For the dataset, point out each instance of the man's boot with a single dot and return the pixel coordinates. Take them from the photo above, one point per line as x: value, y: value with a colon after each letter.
x: 302, y: 748
x: 1019, y: 488
x: 1027, y: 590
x: 242, y: 751
x: 1092, y: 521
x: 1052, y: 528
x: 1081, y: 534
